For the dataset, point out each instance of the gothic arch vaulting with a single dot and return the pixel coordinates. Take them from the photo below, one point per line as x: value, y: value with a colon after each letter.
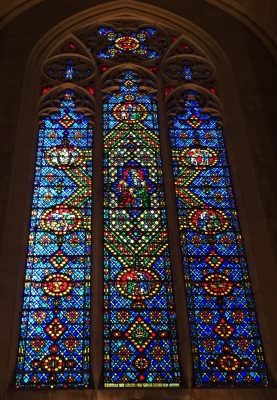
x: 136, y: 275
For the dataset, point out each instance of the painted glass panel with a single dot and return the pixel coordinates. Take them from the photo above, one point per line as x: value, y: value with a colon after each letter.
x: 226, y: 343
x: 140, y: 332
x: 55, y: 322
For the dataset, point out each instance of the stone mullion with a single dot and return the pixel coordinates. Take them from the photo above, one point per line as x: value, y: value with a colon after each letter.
x: 97, y: 344
x: 184, y: 343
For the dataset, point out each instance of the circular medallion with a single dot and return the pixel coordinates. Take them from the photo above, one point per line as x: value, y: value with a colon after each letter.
x: 141, y: 363
x: 127, y: 43
x: 130, y: 112
x: 208, y: 221
x: 63, y: 156
x: 200, y: 157
x: 137, y: 284
x: 217, y: 284
x: 60, y: 220
x: 53, y: 363
x: 229, y: 363
x: 57, y: 285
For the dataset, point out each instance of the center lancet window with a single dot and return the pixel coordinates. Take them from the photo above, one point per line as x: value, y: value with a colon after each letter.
x: 132, y: 74
x: 140, y: 331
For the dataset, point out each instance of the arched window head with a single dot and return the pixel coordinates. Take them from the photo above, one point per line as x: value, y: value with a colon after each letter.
x: 153, y: 92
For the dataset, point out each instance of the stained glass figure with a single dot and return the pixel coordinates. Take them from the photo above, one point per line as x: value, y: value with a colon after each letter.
x: 226, y: 342
x: 139, y: 332
x: 55, y: 322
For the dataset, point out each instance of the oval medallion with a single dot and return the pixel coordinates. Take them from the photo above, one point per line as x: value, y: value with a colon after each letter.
x: 57, y: 285
x: 137, y: 284
x: 130, y: 112
x: 126, y: 43
x: 200, y: 157
x: 63, y: 156
x: 60, y: 220
x: 208, y: 221
x: 229, y: 363
x: 53, y: 363
x: 217, y: 284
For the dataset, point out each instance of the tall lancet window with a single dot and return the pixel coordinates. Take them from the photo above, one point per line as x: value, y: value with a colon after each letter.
x: 223, y: 325
x: 140, y: 331
x: 159, y: 124
x: 225, y: 337
x: 55, y: 323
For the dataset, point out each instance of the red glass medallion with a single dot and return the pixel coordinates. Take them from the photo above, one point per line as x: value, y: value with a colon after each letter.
x: 218, y: 284
x: 127, y: 43
x: 57, y: 285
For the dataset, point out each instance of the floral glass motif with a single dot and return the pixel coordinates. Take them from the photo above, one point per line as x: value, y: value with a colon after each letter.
x: 65, y: 69
x: 194, y: 69
x: 140, y: 332
x: 225, y: 337
x: 130, y: 42
x: 55, y: 323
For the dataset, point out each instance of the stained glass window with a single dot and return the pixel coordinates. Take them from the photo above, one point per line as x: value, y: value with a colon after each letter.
x: 140, y: 333
x: 225, y: 337
x: 139, y: 322
x: 55, y: 323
